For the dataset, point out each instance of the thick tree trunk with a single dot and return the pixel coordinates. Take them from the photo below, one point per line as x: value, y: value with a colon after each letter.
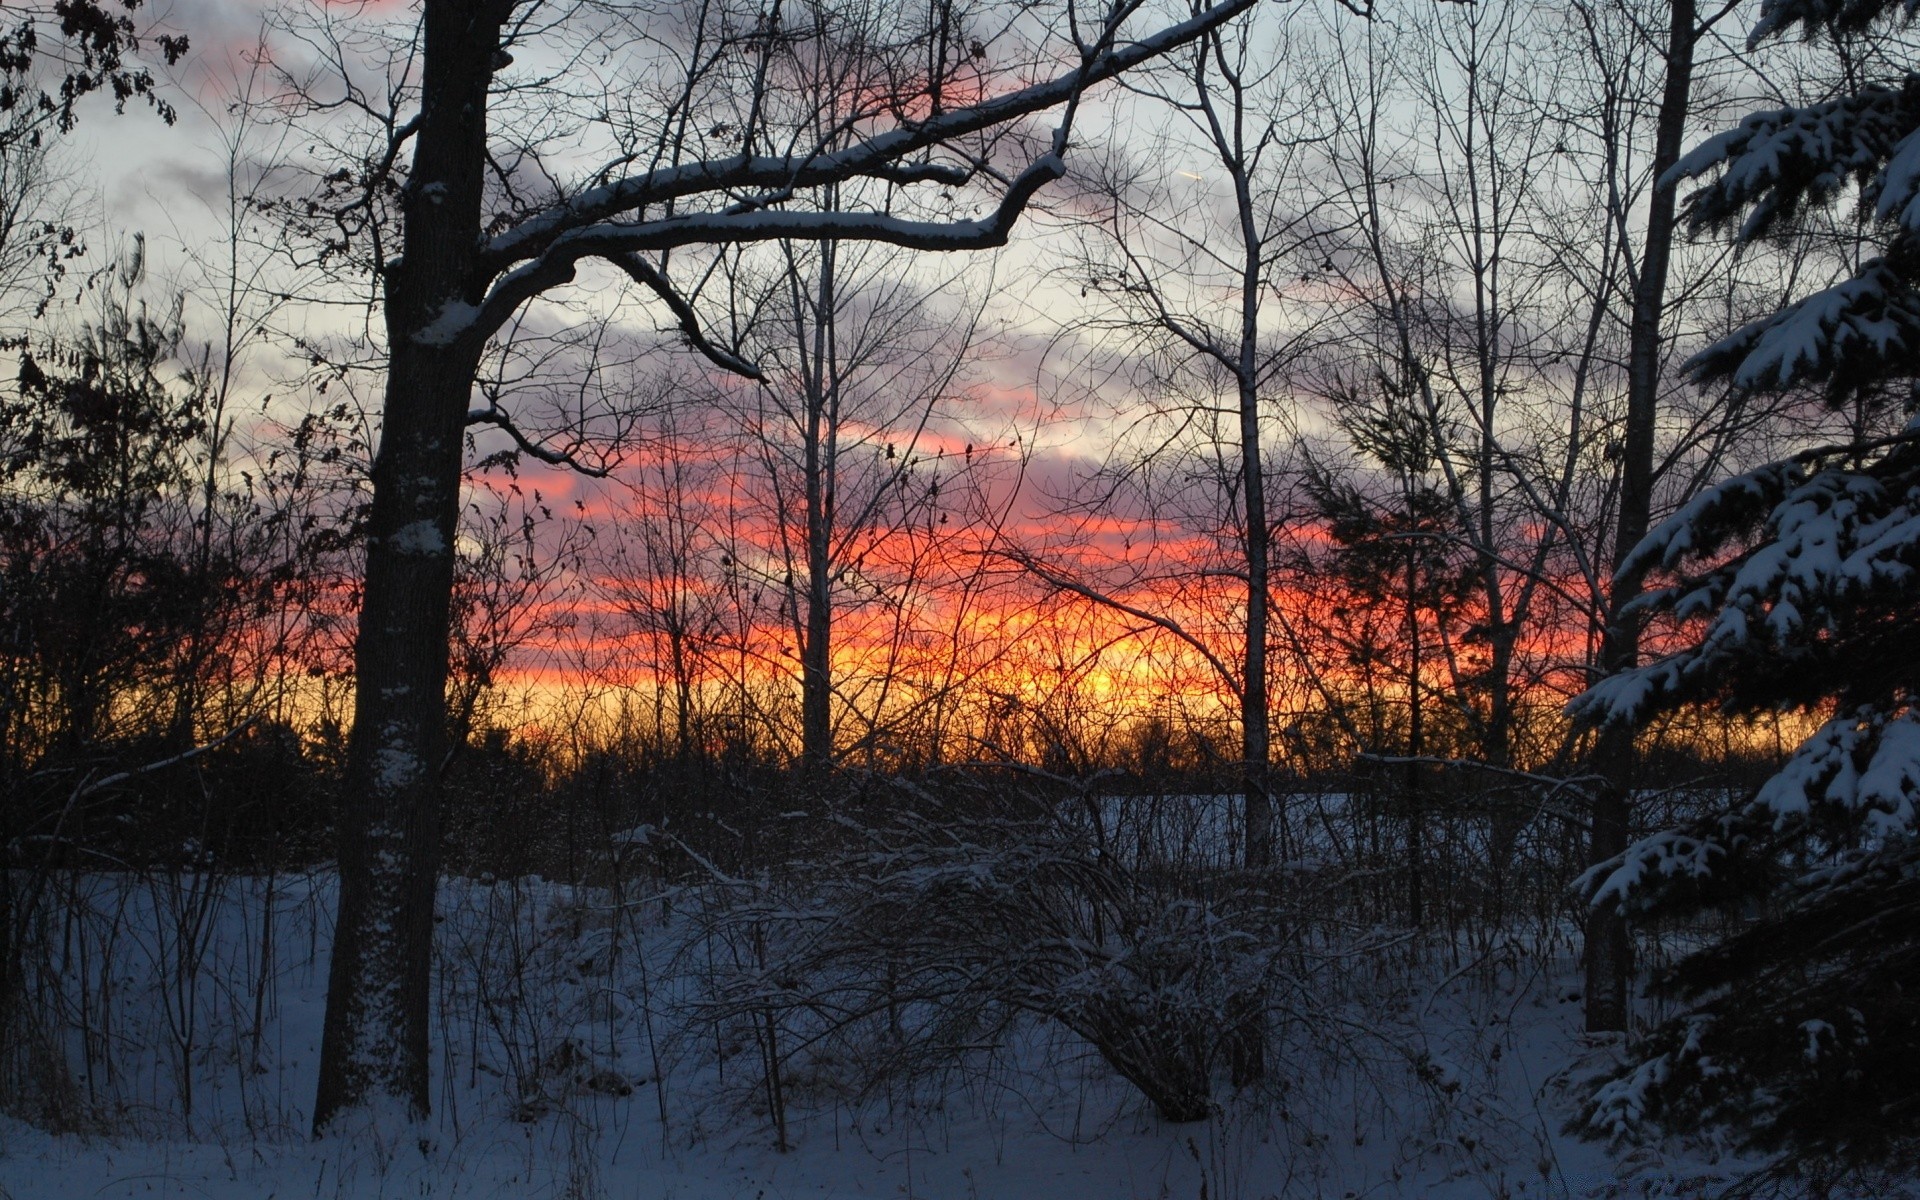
x: 374, y: 1042
x: 1609, y: 965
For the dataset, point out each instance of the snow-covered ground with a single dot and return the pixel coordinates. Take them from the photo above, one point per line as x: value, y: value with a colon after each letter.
x: 568, y: 1065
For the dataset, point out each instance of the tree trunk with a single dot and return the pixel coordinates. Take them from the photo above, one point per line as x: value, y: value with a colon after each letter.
x: 374, y: 1042
x: 10, y: 951
x: 816, y: 651
x: 1256, y: 748
x: 1416, y: 745
x: 1247, y: 1047
x: 682, y: 692
x: 816, y: 665
x: 1609, y: 963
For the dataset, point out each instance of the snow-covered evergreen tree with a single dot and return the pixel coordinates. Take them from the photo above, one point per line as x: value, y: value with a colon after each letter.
x: 1797, y: 587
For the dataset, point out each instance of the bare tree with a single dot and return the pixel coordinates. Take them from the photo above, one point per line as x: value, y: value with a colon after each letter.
x: 848, y: 433
x: 496, y: 208
x: 1194, y: 269
x: 1488, y: 180
x: 664, y: 570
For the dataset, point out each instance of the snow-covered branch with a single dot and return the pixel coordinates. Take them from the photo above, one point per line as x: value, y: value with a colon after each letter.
x: 881, y: 156
x: 616, y: 240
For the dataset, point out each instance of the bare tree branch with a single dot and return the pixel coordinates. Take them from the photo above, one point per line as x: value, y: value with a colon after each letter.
x: 497, y: 417
x: 1065, y: 583
x: 650, y: 277
x: 875, y: 157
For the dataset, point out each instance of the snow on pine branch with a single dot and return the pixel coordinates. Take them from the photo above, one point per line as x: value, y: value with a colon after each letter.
x: 1831, y: 540
x: 1860, y: 771
x: 1896, y: 193
x: 1861, y: 329
x: 1703, y: 524
x: 1864, y: 764
x: 1781, y: 160
x: 1773, y: 166
x: 1817, y: 17
x: 1622, y: 1107
x: 1828, y: 538
x: 1655, y: 862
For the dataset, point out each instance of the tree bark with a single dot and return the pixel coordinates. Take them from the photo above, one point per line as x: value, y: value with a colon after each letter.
x: 1609, y: 965
x: 822, y: 453
x: 375, y: 1038
x: 1416, y: 746
x: 1256, y: 745
x: 1255, y: 748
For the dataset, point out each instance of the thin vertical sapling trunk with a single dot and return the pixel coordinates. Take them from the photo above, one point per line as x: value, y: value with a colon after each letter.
x: 1416, y: 746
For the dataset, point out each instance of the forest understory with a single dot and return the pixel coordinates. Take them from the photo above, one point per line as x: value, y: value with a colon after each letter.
x: 1070, y: 996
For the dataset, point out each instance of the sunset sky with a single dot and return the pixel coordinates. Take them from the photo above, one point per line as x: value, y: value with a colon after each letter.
x: 1059, y: 441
